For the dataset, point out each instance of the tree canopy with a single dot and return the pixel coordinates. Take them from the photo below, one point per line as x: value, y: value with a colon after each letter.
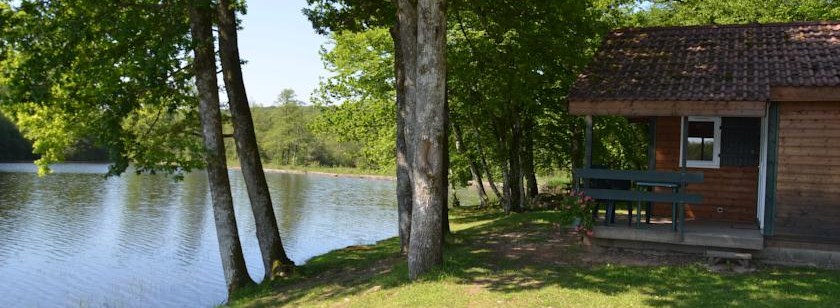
x: 124, y: 83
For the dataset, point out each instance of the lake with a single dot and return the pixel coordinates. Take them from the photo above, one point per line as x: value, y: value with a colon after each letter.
x: 77, y: 239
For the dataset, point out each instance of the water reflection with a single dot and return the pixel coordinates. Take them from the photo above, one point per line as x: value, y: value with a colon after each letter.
x: 76, y: 238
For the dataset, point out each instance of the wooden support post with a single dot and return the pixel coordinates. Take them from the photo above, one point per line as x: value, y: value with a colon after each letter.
x: 772, y: 167
x: 684, y: 162
x: 587, y: 156
x: 651, y: 159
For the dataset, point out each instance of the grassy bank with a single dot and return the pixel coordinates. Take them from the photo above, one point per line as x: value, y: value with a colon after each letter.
x: 530, y: 260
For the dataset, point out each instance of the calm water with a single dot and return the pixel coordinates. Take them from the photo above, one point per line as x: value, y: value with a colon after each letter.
x: 77, y: 239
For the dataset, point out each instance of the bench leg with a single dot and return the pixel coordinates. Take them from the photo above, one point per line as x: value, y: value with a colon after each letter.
x: 648, y: 212
x: 682, y: 221
x: 674, y: 217
x: 638, y: 214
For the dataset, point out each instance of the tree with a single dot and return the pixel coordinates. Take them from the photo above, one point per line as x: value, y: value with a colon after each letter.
x: 274, y: 256
x: 428, y: 136
x: 357, y: 100
x: 360, y: 15
x: 120, y: 74
x: 121, y: 84
x: 509, y: 74
x: 287, y: 96
x: 696, y: 12
x: 233, y: 262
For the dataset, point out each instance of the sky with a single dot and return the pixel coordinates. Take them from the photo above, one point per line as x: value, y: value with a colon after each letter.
x: 281, y: 50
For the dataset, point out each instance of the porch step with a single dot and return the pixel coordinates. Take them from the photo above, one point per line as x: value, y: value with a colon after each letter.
x: 716, y: 256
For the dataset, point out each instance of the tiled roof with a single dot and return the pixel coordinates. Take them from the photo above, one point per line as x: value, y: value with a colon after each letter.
x: 711, y: 63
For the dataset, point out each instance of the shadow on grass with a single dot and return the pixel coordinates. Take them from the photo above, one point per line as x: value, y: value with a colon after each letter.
x: 472, y: 257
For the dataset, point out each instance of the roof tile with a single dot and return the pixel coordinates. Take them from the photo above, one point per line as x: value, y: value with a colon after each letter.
x: 704, y: 63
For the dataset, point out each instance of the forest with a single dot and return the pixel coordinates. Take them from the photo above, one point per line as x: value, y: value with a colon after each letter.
x: 438, y: 92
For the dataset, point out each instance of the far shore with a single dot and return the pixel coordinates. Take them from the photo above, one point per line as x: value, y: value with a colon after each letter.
x: 332, y: 174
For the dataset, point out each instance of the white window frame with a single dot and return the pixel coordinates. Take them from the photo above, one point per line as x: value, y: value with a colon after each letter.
x: 715, y: 163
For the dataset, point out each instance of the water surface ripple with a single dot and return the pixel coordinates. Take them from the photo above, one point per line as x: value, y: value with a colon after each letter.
x: 77, y: 239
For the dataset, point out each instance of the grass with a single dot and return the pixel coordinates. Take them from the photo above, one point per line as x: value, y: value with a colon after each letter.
x: 529, y: 260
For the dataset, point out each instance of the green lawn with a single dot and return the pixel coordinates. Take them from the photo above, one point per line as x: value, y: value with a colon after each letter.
x: 530, y: 260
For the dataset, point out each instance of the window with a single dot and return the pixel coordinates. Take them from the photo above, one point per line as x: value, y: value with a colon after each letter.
x: 703, y: 142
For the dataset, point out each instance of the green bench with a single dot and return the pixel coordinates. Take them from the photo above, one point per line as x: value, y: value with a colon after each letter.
x: 669, y: 179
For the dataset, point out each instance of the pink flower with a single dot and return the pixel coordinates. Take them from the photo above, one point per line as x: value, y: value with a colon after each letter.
x: 587, y: 199
x: 590, y: 232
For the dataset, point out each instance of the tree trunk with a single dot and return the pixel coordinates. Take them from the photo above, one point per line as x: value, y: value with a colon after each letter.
x: 446, y: 164
x: 515, y: 167
x: 506, y: 184
x: 404, y: 35
x: 428, y: 167
x: 528, y: 162
x: 275, y: 260
x: 455, y: 201
x: 476, y: 175
x: 233, y: 262
x: 489, y: 174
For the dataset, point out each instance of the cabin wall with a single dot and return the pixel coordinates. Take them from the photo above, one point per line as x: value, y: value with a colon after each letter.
x: 732, y: 188
x: 808, y: 178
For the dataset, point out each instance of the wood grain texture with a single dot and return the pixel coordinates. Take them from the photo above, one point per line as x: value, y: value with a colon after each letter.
x: 805, y: 94
x: 808, y: 191
x: 732, y: 188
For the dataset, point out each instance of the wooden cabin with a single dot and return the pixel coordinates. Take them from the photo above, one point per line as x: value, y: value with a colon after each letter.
x: 754, y: 109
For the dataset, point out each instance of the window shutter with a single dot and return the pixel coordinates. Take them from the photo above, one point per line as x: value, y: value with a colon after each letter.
x: 740, y: 141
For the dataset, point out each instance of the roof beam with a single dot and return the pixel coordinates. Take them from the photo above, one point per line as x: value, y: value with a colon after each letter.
x: 668, y: 108
x: 805, y: 94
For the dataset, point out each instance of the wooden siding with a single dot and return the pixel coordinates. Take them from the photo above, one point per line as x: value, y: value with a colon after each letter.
x: 732, y: 188
x: 667, y: 108
x: 808, y: 180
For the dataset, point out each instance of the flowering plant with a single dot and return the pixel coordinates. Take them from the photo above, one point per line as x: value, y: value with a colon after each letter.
x: 578, y: 207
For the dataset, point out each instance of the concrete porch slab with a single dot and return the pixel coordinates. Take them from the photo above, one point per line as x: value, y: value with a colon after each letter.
x: 718, y: 235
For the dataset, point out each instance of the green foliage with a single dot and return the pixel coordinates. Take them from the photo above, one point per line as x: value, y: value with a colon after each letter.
x: 15, y: 147
x: 358, y: 99
x: 501, y: 70
x: 111, y: 72
x: 704, y: 12
x: 286, y: 139
x: 619, y: 144
x: 349, y: 15
x: 516, y: 71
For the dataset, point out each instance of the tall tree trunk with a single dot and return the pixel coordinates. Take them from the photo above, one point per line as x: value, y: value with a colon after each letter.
x: 428, y: 167
x: 528, y: 161
x: 233, y: 262
x: 404, y: 34
x: 489, y: 173
x: 275, y: 260
x: 476, y: 175
x: 514, y: 183
x: 455, y: 201
x: 506, y: 185
x: 446, y: 164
